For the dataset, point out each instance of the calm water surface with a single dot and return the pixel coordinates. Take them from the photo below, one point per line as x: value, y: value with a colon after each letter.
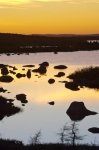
x: 37, y: 114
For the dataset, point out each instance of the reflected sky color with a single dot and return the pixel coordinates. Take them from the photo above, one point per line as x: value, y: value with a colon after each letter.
x: 37, y: 114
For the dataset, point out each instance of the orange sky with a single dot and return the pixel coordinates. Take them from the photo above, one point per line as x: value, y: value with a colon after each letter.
x: 49, y: 16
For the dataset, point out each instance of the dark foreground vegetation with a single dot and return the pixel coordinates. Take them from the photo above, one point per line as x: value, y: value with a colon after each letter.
x: 17, y: 145
x: 16, y: 43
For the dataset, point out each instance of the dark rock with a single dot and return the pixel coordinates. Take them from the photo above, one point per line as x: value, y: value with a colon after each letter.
x: 6, y: 79
x: 22, y: 98
x: 23, y: 104
x: 4, y: 71
x: 51, y: 81
x: 2, y: 90
x: 44, y: 64
x: 8, y: 54
x: 51, y: 103
x: 77, y: 111
x: 41, y: 70
x: 94, y: 130
x: 60, y: 74
x: 3, y: 66
x: 12, y: 72
x: 7, y: 108
x: 60, y: 67
x: 13, y: 67
x: 29, y: 66
x: 19, y: 75
x: 28, y: 73
x: 72, y: 86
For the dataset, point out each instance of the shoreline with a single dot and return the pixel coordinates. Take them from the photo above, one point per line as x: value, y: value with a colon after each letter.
x: 16, y: 43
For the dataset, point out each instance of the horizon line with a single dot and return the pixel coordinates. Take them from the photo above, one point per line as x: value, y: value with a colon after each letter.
x: 49, y: 34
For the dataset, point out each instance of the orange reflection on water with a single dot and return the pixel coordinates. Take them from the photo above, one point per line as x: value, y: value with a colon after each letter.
x: 38, y: 90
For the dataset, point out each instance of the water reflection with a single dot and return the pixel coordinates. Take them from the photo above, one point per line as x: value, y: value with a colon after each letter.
x: 37, y: 113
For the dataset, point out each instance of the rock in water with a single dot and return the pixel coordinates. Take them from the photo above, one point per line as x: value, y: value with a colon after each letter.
x: 51, y: 103
x: 44, y: 64
x: 77, y: 111
x: 4, y: 71
x: 6, y: 79
x: 94, y: 130
x: 22, y: 98
x: 60, y: 74
x: 29, y: 73
x: 51, y: 81
x: 60, y: 67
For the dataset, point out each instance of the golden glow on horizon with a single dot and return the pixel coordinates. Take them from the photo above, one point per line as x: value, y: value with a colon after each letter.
x: 13, y: 2
x: 49, y: 16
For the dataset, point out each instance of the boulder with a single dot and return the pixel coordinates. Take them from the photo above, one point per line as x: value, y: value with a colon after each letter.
x: 60, y: 74
x: 6, y: 79
x: 51, y: 103
x: 77, y: 111
x: 94, y: 130
x: 29, y: 73
x: 41, y: 70
x: 44, y: 64
x: 20, y: 75
x: 4, y: 71
x: 22, y: 98
x: 51, y: 81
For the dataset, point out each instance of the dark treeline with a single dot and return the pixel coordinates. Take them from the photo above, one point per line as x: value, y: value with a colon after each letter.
x: 17, y: 145
x: 17, y: 43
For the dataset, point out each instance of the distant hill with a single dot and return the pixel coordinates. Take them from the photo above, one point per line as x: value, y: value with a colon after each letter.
x: 17, y: 43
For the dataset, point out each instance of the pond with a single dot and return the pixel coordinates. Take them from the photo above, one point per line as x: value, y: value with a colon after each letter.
x: 37, y: 114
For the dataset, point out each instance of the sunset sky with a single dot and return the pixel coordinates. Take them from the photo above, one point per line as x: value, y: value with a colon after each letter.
x: 49, y: 16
